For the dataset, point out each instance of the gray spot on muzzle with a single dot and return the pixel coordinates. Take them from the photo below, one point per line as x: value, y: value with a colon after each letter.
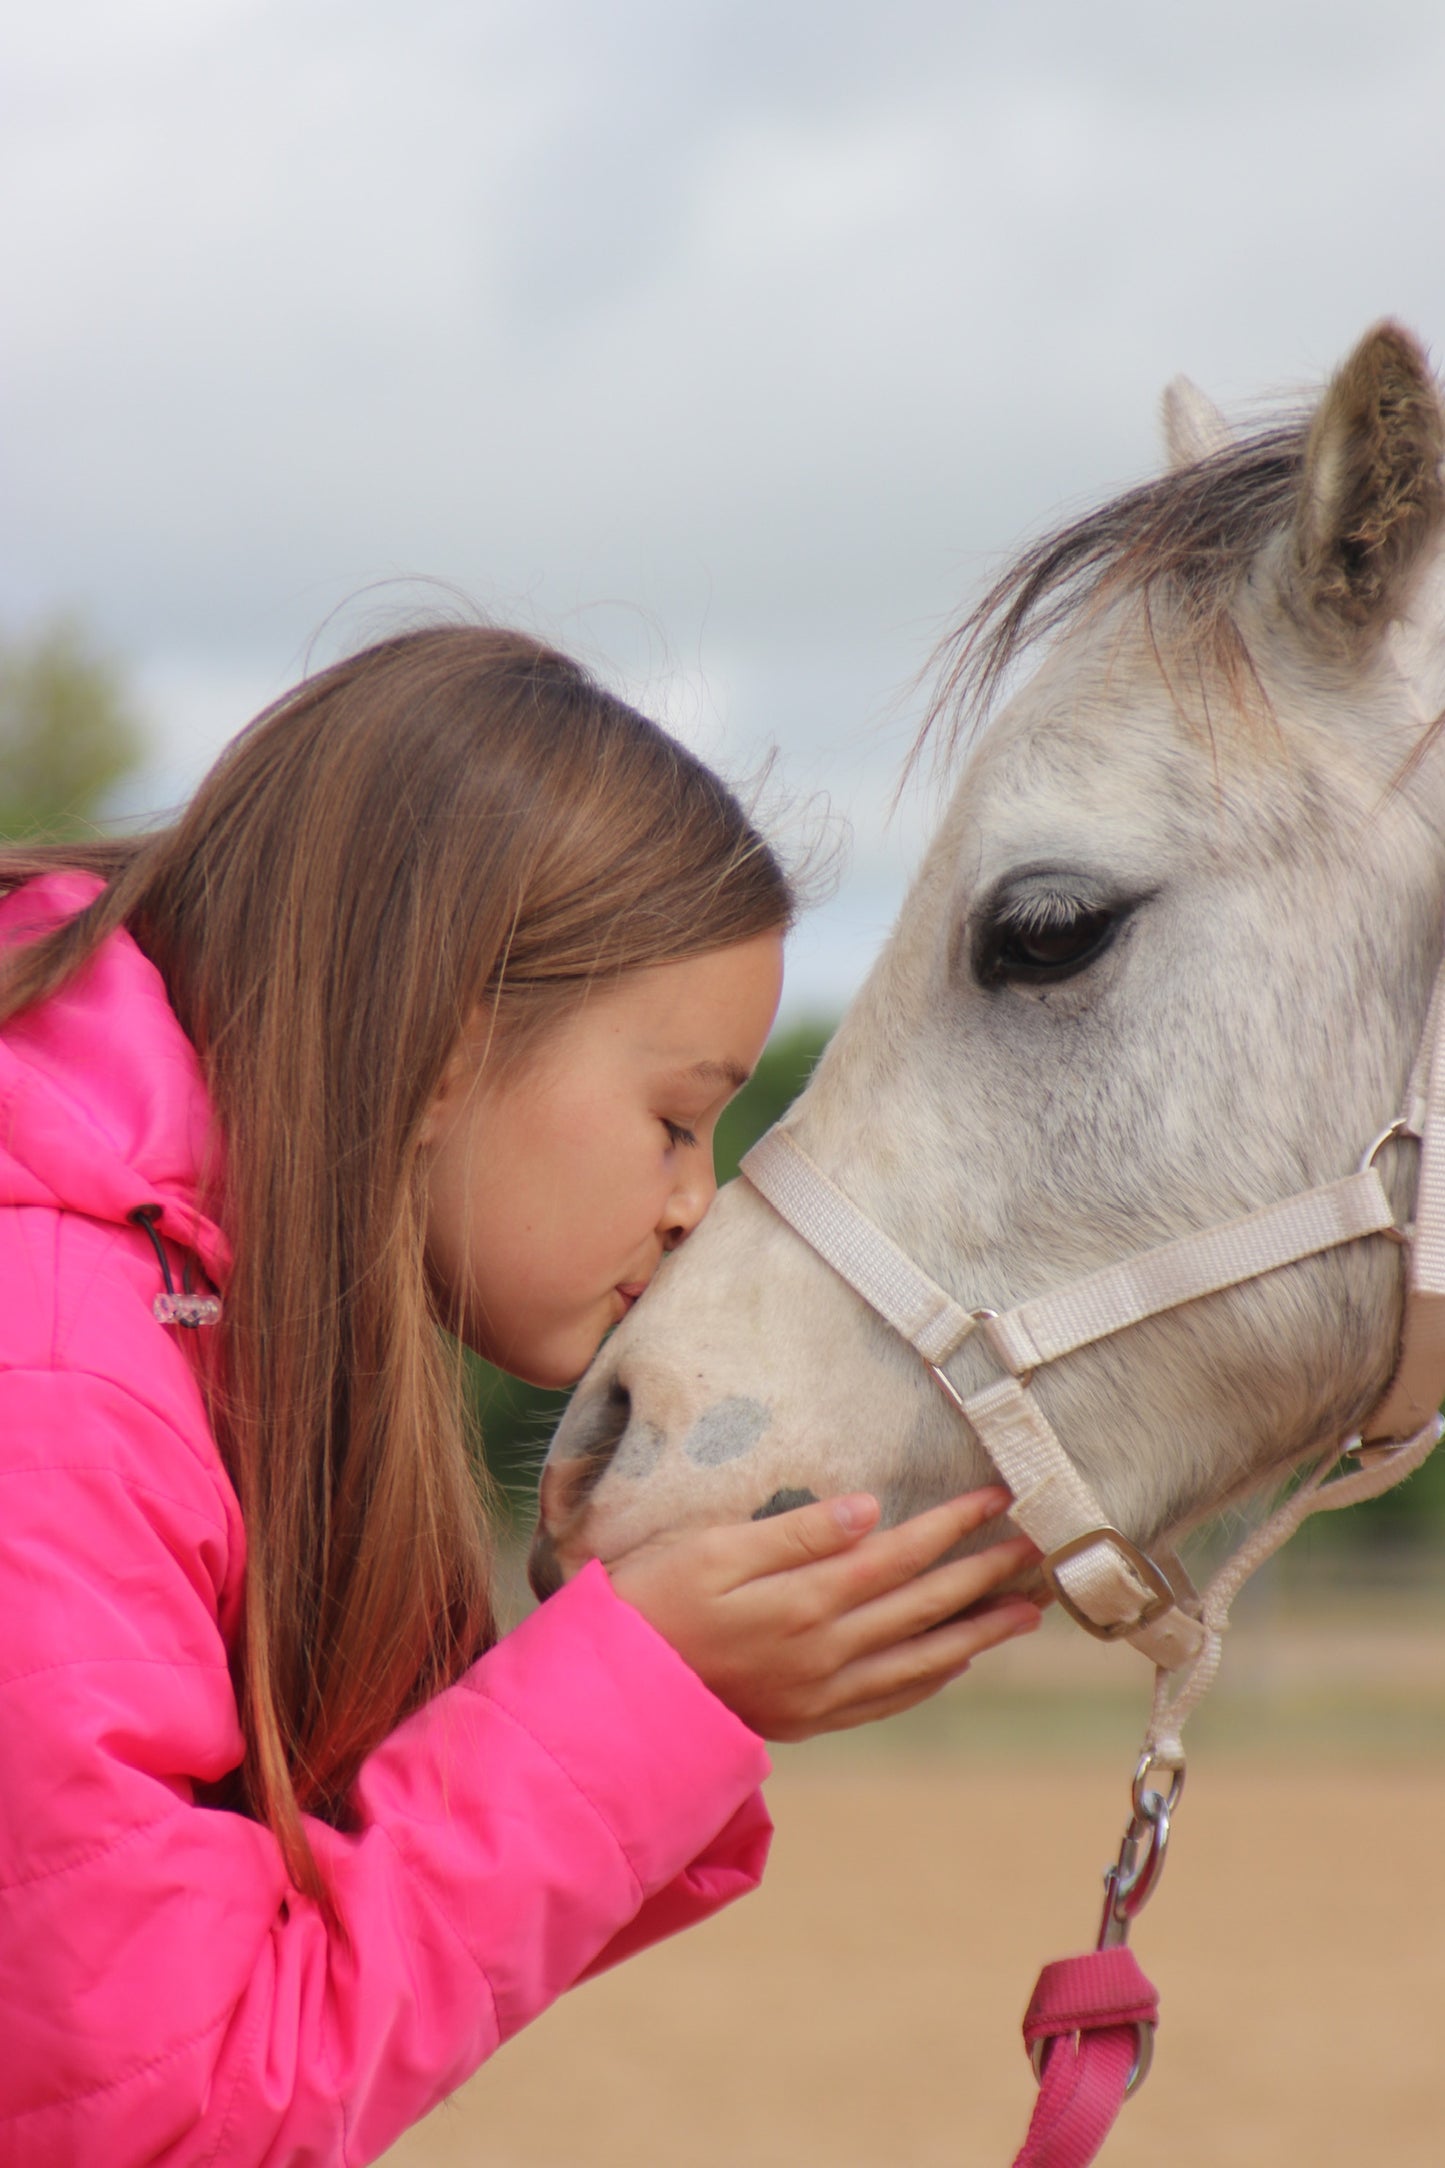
x: 726, y: 1431
x: 785, y: 1501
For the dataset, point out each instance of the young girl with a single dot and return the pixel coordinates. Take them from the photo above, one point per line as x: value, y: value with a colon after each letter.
x: 419, y: 1017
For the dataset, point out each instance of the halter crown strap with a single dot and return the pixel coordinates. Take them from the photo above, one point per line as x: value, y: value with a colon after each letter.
x: 1048, y: 1326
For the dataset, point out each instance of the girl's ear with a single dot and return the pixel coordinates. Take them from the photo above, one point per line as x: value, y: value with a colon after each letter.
x: 1371, y: 497
x: 457, y: 1080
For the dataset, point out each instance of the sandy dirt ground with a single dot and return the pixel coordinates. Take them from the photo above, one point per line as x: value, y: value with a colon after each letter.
x: 863, y: 2009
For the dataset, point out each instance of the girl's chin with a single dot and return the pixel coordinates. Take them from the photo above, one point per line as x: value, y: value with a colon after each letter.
x: 557, y: 1359
x: 559, y: 1367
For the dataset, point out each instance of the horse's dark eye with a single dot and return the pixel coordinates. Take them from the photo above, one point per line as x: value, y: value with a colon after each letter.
x: 1043, y: 941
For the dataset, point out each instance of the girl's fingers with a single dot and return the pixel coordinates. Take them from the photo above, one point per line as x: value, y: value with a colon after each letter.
x: 933, y: 1597
x: 893, y: 1556
x: 928, y: 1661
x: 855, y: 1713
x: 798, y: 1538
x: 808, y: 1535
x: 797, y: 1621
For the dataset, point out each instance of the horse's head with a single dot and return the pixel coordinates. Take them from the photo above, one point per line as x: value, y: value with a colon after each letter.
x: 1167, y: 960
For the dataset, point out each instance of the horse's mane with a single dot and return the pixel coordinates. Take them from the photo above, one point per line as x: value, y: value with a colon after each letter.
x: 1178, y: 544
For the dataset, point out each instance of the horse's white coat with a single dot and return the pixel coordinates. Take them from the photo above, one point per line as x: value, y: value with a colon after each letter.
x: 1245, y: 1035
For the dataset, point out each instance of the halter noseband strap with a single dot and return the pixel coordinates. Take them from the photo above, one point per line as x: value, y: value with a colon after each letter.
x: 1102, y: 1579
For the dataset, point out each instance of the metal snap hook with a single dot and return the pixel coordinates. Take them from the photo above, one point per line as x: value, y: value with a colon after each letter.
x: 1130, y: 1882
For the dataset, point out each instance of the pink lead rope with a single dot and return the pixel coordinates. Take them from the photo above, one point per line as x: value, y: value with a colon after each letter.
x: 1102, y: 2003
x: 1089, y: 2027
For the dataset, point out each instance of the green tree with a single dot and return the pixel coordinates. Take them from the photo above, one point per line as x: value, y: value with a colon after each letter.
x: 67, y: 733
x: 789, y: 1059
x: 516, y: 1420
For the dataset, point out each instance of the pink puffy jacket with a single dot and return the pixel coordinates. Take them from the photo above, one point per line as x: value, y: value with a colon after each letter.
x: 165, y: 1995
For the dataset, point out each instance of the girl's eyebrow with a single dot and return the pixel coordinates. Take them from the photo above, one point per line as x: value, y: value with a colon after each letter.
x: 727, y: 1073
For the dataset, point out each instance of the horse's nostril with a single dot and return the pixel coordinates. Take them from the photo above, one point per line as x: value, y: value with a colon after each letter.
x: 588, y: 1439
x: 543, y: 1569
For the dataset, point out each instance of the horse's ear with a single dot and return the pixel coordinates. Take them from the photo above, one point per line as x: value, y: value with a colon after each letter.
x: 1193, y: 425
x: 1371, y: 495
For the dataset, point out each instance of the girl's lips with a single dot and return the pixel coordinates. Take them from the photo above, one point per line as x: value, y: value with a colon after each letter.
x: 629, y: 1290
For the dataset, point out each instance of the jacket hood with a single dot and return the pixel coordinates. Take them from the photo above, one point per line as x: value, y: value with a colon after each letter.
x: 102, y: 1104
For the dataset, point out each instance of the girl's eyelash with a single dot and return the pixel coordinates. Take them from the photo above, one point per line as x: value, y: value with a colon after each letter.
x: 676, y: 1133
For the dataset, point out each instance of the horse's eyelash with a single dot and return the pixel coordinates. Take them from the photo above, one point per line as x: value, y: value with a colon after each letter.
x: 1042, y: 910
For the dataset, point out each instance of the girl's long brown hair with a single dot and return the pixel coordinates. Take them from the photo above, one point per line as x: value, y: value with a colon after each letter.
x: 455, y: 816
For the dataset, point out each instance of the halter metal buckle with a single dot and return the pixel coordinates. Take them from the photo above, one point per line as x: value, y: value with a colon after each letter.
x: 1401, y: 1128
x: 1161, y: 1594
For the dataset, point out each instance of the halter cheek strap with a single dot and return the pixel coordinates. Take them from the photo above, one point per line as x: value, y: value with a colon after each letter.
x: 1101, y: 1578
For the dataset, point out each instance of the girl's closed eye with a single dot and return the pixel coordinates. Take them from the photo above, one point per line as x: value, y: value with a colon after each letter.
x: 676, y: 1134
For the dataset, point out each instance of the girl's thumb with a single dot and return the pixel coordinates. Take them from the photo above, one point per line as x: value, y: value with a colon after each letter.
x: 817, y: 1531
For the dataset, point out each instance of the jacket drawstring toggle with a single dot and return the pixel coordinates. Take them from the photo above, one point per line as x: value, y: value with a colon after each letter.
x: 186, y: 1308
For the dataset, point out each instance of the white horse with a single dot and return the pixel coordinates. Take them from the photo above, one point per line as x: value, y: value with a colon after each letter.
x: 1167, y: 960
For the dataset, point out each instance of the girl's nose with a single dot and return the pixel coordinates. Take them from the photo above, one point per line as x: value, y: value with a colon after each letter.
x: 687, y: 1204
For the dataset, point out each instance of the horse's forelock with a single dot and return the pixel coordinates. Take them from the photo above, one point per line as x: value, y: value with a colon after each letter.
x: 1179, y: 545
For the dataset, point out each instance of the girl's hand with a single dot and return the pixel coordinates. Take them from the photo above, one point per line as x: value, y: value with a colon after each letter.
x: 808, y: 1623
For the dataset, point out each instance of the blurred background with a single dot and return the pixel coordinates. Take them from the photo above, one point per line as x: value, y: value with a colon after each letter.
x: 730, y: 346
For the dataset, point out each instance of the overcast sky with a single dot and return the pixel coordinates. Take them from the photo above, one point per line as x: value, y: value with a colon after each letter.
x: 728, y: 344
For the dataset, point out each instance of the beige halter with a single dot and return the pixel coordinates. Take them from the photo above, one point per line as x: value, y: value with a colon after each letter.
x: 1105, y: 1582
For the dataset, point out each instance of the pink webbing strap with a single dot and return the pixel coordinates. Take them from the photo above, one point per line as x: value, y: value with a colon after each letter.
x: 1103, y: 1999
